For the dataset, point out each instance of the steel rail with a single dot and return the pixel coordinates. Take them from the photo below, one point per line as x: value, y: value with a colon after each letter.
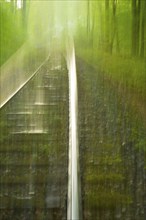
x: 4, y: 100
x: 73, y: 203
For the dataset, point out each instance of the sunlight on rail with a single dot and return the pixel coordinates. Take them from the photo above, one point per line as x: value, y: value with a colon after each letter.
x: 73, y: 172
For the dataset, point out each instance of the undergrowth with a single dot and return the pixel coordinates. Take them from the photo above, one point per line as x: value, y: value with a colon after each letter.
x: 125, y: 71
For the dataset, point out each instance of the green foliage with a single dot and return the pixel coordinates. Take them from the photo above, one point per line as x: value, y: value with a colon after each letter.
x: 109, y: 36
x: 125, y: 71
x: 106, y: 200
x: 12, y: 33
x: 99, y: 178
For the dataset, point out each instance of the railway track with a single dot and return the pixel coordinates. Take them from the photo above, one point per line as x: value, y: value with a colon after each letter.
x: 40, y: 179
x: 34, y: 146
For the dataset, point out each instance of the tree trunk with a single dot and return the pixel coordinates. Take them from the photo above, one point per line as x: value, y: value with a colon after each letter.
x: 88, y: 18
x: 117, y: 41
x: 13, y: 5
x: 144, y: 31
x: 135, y: 27
x: 24, y: 12
x: 138, y: 26
x: 133, y: 38
x: 93, y: 24
x: 114, y: 26
x: 143, y: 21
x: 107, y: 28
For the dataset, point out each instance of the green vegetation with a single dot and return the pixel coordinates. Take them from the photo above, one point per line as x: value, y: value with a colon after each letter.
x: 101, y: 178
x: 110, y: 35
x: 126, y: 72
x: 13, y: 29
x: 112, y: 141
x: 106, y: 200
x: 113, y: 41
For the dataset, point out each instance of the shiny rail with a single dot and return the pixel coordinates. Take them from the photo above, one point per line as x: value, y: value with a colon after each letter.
x: 74, y: 188
x: 73, y: 209
x: 34, y: 146
x: 19, y: 69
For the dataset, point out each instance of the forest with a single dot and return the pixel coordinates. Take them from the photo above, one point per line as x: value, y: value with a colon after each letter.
x: 115, y: 40
x: 110, y: 54
x: 110, y: 34
x: 13, y: 27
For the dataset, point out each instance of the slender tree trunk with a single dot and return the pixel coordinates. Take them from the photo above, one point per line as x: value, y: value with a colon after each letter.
x: 13, y: 5
x: 133, y: 38
x: 101, y: 31
x: 24, y: 12
x: 88, y: 18
x: 135, y: 47
x: 143, y: 21
x: 114, y: 28
x: 117, y: 41
x: 93, y: 24
x: 138, y: 26
x: 144, y: 31
x: 107, y: 27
